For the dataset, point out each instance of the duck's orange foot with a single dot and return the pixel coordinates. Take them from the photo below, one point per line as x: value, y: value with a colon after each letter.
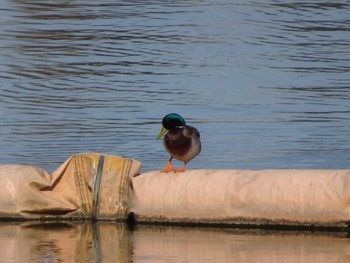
x: 168, y: 168
x: 181, y: 169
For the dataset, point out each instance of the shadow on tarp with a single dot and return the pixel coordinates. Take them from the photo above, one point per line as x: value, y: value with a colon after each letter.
x: 116, y: 242
x: 263, y: 226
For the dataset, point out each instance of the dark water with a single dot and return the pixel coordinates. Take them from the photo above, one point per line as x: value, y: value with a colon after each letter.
x: 265, y: 82
x: 113, y: 242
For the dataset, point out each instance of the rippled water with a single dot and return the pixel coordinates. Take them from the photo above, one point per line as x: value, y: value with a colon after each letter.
x: 265, y: 82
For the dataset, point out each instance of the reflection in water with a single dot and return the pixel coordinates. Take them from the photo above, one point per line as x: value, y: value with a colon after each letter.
x: 153, y: 244
x: 113, y: 242
x: 40, y: 242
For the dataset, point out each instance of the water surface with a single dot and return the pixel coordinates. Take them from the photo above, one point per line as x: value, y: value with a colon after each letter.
x: 265, y: 82
x: 115, y: 242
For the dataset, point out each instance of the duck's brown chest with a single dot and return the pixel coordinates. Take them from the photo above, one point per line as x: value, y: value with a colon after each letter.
x: 177, y: 143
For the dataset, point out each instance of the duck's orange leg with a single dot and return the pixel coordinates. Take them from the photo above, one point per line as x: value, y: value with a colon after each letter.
x: 181, y: 169
x: 168, y: 167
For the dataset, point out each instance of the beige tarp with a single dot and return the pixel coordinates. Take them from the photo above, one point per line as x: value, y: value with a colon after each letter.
x: 85, y: 186
x: 96, y: 186
x: 282, y: 197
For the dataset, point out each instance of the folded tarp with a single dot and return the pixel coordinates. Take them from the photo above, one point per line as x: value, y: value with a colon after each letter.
x: 85, y: 186
x: 255, y: 197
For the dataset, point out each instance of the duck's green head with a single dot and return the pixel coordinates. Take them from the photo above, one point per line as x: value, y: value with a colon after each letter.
x: 171, y: 121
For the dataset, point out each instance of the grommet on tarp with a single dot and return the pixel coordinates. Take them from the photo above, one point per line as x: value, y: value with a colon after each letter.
x: 96, y: 197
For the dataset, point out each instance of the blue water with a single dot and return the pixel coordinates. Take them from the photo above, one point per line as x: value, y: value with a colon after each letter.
x: 265, y: 82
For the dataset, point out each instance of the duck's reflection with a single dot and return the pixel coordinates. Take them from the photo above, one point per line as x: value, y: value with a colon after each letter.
x: 115, y: 242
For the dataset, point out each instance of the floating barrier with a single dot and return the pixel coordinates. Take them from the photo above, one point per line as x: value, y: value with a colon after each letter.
x: 95, y: 186
x: 86, y: 186
x: 319, y: 198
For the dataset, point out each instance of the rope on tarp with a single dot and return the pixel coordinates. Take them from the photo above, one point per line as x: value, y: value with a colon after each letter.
x: 96, y: 197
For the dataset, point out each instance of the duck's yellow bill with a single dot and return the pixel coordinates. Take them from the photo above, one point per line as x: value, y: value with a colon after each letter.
x: 161, y: 133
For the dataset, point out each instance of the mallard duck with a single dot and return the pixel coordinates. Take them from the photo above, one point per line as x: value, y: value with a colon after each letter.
x: 180, y: 140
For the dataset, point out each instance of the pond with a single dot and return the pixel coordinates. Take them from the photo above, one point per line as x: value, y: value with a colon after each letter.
x: 265, y: 82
